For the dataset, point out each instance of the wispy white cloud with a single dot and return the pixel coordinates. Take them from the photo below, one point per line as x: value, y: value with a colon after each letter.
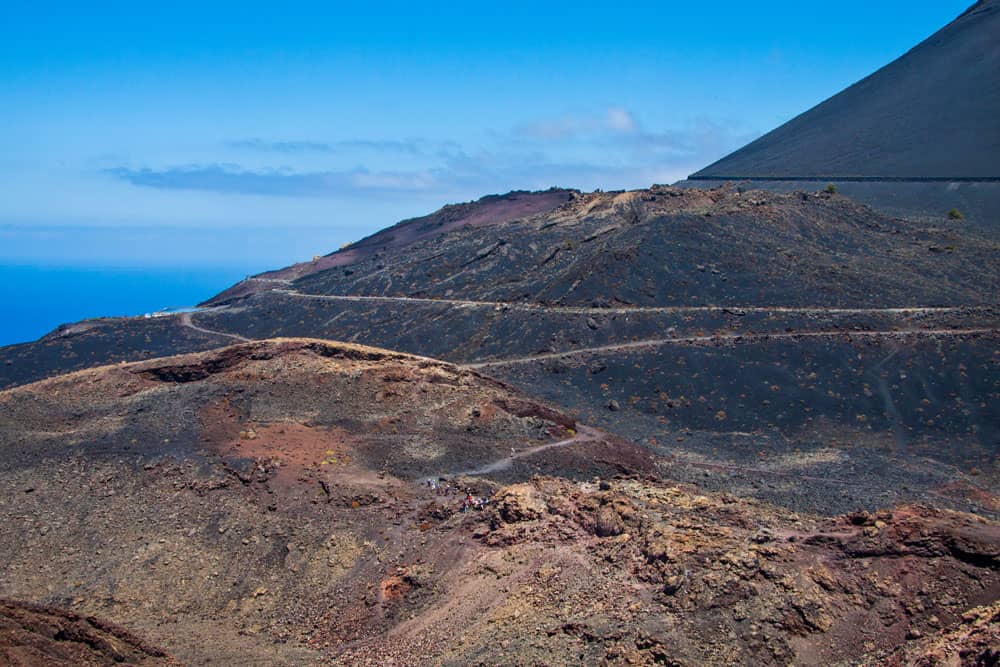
x: 552, y: 129
x: 414, y: 147
x: 233, y: 179
x: 618, y: 137
x: 614, y: 120
x: 610, y: 150
x: 621, y: 119
x: 288, y: 147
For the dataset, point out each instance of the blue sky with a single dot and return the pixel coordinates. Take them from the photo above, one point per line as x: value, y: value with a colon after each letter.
x: 256, y: 134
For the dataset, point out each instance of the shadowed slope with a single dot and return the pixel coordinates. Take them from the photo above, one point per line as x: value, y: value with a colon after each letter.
x: 931, y: 114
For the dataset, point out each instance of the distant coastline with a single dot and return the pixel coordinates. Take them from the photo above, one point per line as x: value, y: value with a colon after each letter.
x: 38, y: 298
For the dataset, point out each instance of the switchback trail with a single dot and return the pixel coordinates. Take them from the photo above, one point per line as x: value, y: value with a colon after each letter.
x: 188, y: 322
x: 590, y: 434
x: 735, y: 338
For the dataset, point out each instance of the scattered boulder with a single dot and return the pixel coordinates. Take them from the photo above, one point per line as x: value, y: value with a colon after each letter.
x: 519, y: 502
x: 673, y: 583
x: 556, y: 366
x: 608, y: 523
x: 598, y: 367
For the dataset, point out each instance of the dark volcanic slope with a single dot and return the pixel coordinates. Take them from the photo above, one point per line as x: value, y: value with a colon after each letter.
x: 259, y: 505
x: 978, y: 202
x: 931, y: 114
x: 487, y: 211
x: 98, y: 342
x: 670, y: 247
x: 662, y: 247
x: 809, y: 419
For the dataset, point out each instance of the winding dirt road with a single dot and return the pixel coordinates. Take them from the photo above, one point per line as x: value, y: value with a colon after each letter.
x: 735, y: 338
x: 583, y: 434
x: 187, y: 321
x: 588, y: 310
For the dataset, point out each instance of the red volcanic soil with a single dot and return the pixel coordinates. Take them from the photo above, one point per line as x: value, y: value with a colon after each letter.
x: 294, y: 445
x: 970, y: 493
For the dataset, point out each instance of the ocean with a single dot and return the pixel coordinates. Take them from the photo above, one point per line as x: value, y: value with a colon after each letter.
x: 37, y: 298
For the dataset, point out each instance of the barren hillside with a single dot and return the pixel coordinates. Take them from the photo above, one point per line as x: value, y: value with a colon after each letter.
x: 270, y: 503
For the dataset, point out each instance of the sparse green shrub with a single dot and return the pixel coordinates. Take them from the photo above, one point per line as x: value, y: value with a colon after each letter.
x: 955, y: 214
x: 831, y: 189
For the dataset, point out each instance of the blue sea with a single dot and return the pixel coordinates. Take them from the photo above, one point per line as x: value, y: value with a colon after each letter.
x: 37, y: 298
x: 51, y: 275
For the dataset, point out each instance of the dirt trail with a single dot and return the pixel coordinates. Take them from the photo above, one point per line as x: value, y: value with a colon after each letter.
x: 280, y: 281
x: 680, y: 340
x: 583, y: 434
x: 186, y: 320
x: 585, y: 310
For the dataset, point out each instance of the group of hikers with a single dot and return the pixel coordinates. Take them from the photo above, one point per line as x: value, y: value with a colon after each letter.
x: 469, y: 501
